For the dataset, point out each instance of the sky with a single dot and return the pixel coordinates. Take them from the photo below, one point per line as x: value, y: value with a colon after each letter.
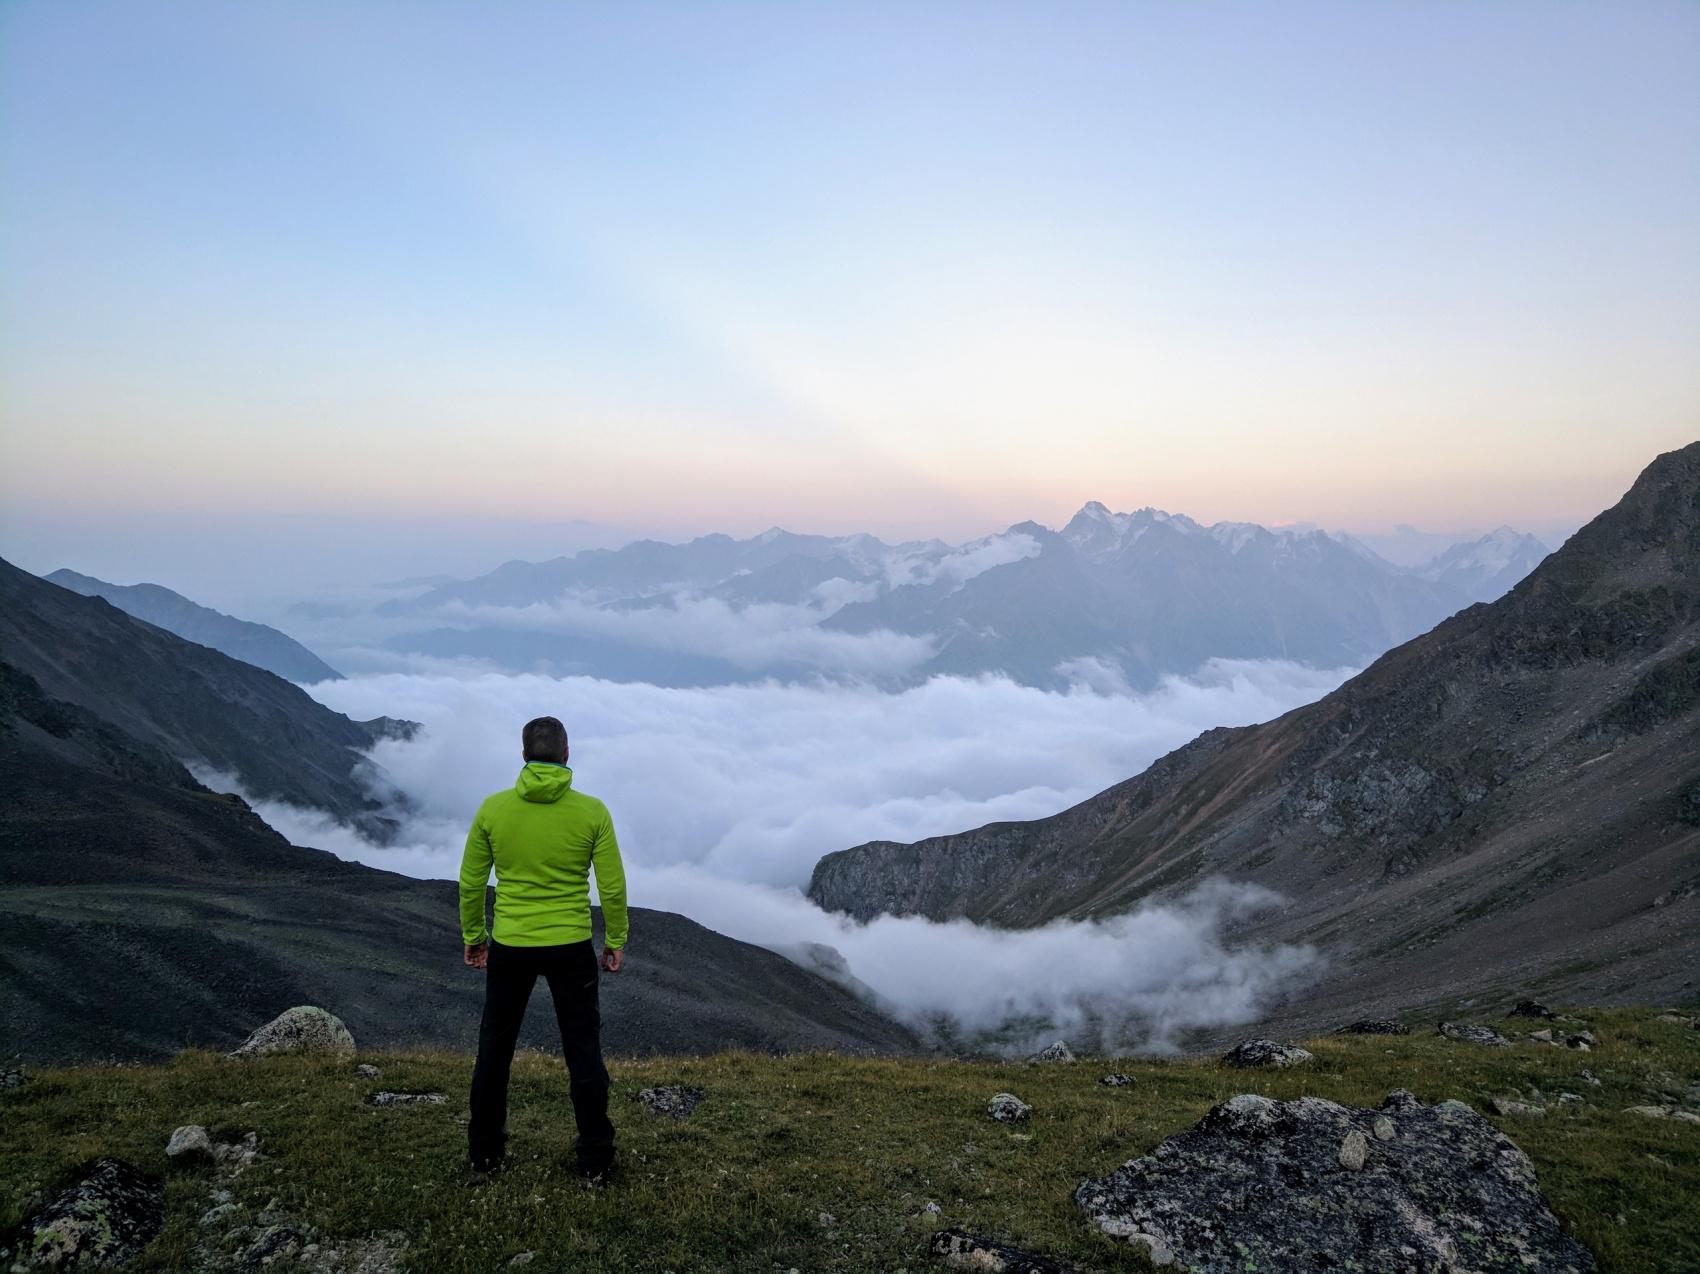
x: 511, y: 279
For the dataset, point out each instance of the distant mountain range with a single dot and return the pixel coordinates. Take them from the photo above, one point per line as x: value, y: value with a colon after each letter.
x: 1125, y: 596
x: 1507, y: 804
x: 252, y: 643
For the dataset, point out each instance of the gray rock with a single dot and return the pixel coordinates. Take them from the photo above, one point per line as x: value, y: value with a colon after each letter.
x: 13, y: 1079
x: 219, y: 1213
x: 1583, y: 1040
x: 365, y: 1071
x: 1266, y: 1185
x: 239, y: 1155
x: 1509, y: 1109
x: 1354, y: 1150
x: 1531, y: 1008
x: 1588, y: 1077
x: 273, y: 1244
x: 189, y: 1143
x: 1570, y: 1099
x: 1254, y: 1054
x: 101, y: 1222
x: 960, y: 1250
x: 1058, y: 1052
x: 1007, y: 1108
x: 406, y: 1099
x: 1117, y: 1081
x: 1470, y: 1033
x: 1374, y: 1026
x: 304, y: 1027
x: 674, y: 1101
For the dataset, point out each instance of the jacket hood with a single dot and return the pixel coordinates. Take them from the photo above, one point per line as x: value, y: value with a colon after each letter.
x: 543, y: 783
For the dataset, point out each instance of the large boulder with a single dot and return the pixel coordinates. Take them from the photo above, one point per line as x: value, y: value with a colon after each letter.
x: 305, y: 1027
x: 1307, y: 1185
x: 99, y: 1223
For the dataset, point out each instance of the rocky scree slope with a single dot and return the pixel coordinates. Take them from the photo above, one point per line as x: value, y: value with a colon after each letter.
x: 147, y: 914
x: 202, y: 707
x: 1511, y: 801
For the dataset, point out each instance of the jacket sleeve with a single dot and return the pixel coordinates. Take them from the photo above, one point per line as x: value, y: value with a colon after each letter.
x: 475, y: 882
x: 610, y: 883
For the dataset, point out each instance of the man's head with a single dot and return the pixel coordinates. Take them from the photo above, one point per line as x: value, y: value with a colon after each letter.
x: 545, y: 739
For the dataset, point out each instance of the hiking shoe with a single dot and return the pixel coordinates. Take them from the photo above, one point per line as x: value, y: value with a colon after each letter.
x: 598, y: 1171
x: 480, y: 1173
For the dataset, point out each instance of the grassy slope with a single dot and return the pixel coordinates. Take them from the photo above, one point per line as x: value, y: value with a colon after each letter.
x: 741, y: 1184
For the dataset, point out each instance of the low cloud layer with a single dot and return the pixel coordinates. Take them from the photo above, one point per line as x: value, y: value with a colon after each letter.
x: 726, y: 796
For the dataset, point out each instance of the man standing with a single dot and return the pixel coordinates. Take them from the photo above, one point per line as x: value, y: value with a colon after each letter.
x: 543, y: 839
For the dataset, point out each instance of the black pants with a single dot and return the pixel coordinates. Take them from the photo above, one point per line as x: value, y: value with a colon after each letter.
x: 508, y: 982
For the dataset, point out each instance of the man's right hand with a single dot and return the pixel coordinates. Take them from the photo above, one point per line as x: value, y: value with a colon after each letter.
x: 478, y: 957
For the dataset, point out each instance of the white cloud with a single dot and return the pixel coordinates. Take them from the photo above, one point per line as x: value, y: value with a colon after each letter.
x: 725, y: 797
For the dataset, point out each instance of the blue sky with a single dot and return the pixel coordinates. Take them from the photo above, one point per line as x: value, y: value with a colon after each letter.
x: 915, y: 268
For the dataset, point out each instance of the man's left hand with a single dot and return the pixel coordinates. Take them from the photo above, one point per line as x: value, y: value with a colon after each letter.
x: 611, y: 957
x: 478, y: 957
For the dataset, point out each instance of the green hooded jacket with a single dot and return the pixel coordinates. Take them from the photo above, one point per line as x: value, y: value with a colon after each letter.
x: 543, y: 839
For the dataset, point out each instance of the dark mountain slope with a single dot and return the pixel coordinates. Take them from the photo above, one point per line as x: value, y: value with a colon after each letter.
x: 1508, y: 801
x: 145, y: 913
x: 199, y: 705
x: 256, y: 644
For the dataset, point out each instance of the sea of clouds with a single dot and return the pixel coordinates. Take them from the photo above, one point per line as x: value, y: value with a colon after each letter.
x: 724, y: 798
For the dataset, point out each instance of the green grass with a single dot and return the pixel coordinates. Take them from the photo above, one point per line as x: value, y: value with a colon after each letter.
x: 741, y: 1185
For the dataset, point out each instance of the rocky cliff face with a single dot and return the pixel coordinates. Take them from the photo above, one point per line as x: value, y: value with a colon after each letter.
x: 1511, y: 798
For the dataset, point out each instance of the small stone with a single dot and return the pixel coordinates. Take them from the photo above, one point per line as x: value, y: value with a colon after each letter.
x: 523, y: 1258
x: 303, y: 1027
x: 1255, y: 1054
x: 406, y: 1099
x: 188, y: 1143
x: 1116, y: 1081
x: 673, y: 1101
x: 826, y: 1218
x: 1058, y: 1052
x: 14, y: 1078
x: 1588, y: 1077
x: 1511, y: 1109
x: 1007, y: 1108
x: 1531, y: 1008
x: 1471, y: 1033
x: 932, y: 1208
x: 367, y: 1071
x: 1570, y: 1099
x: 957, y: 1249
x: 1582, y: 1039
x: 1374, y: 1026
x: 1544, y: 1035
x: 1651, y: 1112
x: 1384, y: 1129
x: 1354, y: 1151
x: 218, y: 1213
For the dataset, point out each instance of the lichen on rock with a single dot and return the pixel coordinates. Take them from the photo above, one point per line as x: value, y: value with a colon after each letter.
x: 99, y: 1223
x: 1007, y: 1108
x: 303, y: 1027
x: 1471, y: 1033
x: 1309, y: 1184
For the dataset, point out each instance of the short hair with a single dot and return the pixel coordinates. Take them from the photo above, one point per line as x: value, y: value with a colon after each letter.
x: 544, y: 739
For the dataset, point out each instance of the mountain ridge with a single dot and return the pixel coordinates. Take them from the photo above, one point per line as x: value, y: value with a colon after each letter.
x: 257, y: 644
x: 203, y: 707
x: 1533, y: 757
